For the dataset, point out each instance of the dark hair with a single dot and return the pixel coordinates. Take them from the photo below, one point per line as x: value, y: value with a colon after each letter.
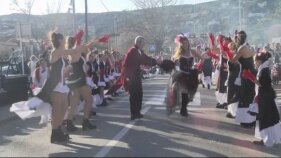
x: 242, y: 37
x: 55, y: 39
x: 263, y: 56
x: 70, y: 42
x: 183, y: 38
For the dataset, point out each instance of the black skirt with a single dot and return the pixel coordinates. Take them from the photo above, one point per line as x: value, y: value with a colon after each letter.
x: 247, y: 93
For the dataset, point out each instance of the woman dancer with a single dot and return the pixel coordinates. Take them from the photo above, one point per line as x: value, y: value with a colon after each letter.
x: 223, y: 72
x: 100, y: 67
x: 79, y: 88
x: 184, y: 81
x: 234, y: 82
x: 247, y: 92
x: 268, y: 127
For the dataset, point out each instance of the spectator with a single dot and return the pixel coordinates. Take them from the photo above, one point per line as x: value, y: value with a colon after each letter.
x: 41, y: 74
x: 2, y: 78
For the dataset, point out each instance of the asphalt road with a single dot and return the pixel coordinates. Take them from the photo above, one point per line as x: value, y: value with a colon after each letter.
x: 205, y: 133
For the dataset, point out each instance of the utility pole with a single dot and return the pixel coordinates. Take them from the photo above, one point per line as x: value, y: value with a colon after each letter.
x: 73, y: 10
x: 240, y: 22
x: 115, y: 31
x: 86, y: 20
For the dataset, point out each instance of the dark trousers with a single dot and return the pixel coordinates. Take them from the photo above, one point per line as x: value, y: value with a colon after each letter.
x: 135, y: 90
x: 184, y: 101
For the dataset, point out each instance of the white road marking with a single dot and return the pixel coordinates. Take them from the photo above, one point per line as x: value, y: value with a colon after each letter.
x: 116, y: 139
x: 196, y: 100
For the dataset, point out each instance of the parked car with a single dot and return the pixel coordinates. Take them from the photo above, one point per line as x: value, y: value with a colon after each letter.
x: 14, y: 84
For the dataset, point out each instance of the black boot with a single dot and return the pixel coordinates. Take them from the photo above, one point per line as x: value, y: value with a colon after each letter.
x: 58, y: 136
x: 185, y: 101
x: 209, y: 86
x: 248, y: 125
x: 184, y: 112
x: 70, y: 127
x: 86, y: 125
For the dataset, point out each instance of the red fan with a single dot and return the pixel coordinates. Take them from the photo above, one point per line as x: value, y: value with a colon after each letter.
x: 213, y: 55
x: 104, y: 39
x: 247, y: 74
x: 78, y: 37
x: 220, y: 41
x: 199, y: 66
x: 212, y: 40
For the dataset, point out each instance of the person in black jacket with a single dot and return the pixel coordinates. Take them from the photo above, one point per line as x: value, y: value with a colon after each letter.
x: 268, y: 120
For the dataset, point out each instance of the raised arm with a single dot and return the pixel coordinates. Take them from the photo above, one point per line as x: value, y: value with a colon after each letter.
x: 197, y: 54
x: 237, y: 56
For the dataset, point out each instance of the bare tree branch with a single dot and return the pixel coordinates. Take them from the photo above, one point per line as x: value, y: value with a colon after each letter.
x: 25, y: 7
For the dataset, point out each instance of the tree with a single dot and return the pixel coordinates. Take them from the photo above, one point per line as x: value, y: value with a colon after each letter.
x: 156, y: 21
x: 53, y: 6
x: 24, y: 7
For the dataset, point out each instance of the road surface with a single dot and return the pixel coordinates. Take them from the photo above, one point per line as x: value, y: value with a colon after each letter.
x: 205, y: 133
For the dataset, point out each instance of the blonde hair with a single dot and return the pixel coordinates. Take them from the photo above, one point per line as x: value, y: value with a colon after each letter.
x: 179, y: 50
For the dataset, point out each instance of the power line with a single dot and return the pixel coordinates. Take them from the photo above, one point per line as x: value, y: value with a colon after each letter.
x: 104, y: 6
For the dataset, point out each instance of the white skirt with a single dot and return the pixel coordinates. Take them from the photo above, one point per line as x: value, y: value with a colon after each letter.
x: 111, y: 77
x: 242, y: 116
x: 106, y: 79
x: 34, y: 107
x: 270, y: 136
x: 221, y: 97
x: 115, y: 74
x: 101, y: 84
x: 232, y: 108
x: 254, y: 108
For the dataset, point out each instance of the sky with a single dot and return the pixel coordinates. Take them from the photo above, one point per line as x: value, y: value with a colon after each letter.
x: 94, y: 6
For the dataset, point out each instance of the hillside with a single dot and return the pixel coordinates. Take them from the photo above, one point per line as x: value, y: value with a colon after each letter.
x: 260, y: 18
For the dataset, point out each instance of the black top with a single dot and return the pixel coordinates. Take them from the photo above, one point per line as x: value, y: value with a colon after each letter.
x: 247, y: 63
x: 54, y: 78
x: 78, y: 69
x: 186, y: 64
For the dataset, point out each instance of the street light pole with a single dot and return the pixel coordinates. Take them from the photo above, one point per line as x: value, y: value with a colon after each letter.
x: 86, y: 20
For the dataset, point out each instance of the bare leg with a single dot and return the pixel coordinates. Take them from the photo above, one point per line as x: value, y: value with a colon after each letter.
x: 59, y: 103
x: 74, y: 101
x: 85, y: 92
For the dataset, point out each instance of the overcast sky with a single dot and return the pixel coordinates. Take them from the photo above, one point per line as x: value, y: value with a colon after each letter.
x: 94, y: 6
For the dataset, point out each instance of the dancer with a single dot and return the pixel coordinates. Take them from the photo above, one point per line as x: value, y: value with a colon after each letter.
x: 100, y: 67
x: 221, y: 93
x: 268, y: 126
x: 234, y: 82
x: 79, y: 88
x: 134, y: 58
x: 207, y: 69
x: 245, y: 57
x: 184, y: 81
